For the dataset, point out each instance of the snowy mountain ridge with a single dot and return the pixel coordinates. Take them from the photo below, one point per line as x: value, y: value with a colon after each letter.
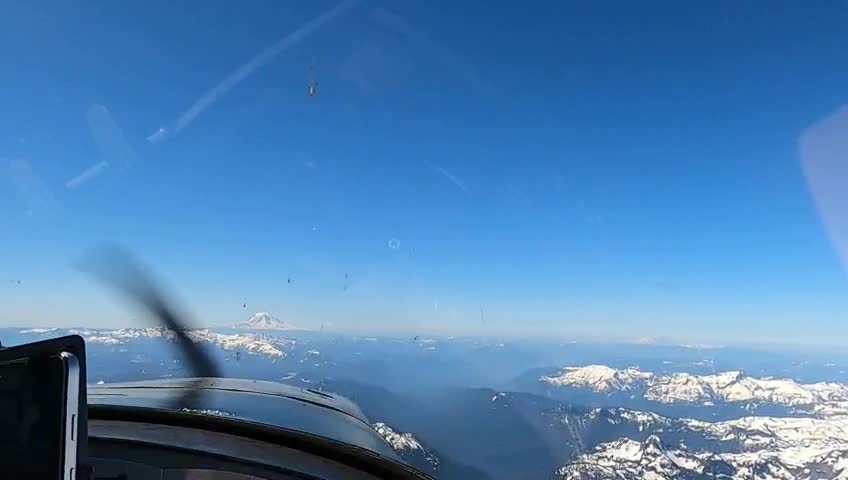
x: 406, y: 444
x: 753, y: 447
x: 627, y: 459
x: 809, y: 447
x: 733, y: 386
x: 600, y: 378
x: 251, y: 343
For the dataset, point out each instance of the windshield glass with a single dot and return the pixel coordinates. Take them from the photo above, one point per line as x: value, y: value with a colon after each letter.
x: 580, y: 240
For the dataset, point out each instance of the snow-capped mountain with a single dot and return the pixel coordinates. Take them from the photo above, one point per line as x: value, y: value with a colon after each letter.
x: 685, y: 388
x: 627, y: 459
x: 751, y: 448
x: 620, y: 443
x: 600, y: 378
x: 264, y: 321
x: 250, y: 343
x: 811, y: 446
x: 408, y: 447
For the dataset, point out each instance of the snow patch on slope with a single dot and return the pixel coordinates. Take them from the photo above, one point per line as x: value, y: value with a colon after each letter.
x: 398, y: 440
x: 406, y: 444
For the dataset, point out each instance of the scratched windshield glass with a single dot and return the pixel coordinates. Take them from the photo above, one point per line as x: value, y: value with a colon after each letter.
x: 518, y: 241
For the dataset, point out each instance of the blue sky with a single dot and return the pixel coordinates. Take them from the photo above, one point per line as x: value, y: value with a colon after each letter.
x: 616, y: 171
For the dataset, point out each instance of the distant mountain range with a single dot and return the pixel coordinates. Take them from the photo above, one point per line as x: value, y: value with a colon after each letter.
x: 574, y: 422
x: 483, y: 428
x: 735, y: 387
x: 809, y: 442
x: 624, y: 444
x: 748, y: 448
x: 264, y: 321
x: 270, y: 346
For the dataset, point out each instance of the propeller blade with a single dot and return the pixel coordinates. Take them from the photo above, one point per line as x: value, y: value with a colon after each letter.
x: 117, y: 269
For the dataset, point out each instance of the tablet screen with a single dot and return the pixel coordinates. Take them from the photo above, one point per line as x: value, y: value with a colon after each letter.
x: 32, y: 403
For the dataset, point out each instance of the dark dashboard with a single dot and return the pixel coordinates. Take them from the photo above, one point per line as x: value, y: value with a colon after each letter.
x: 120, y: 450
x: 238, y: 429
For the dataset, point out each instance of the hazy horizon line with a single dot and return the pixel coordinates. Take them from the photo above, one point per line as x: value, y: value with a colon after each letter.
x: 545, y: 338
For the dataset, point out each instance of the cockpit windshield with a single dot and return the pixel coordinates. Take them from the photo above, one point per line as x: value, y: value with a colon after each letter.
x: 579, y: 240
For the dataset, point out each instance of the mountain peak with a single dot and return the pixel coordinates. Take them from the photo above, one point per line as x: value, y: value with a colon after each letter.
x: 653, y: 445
x: 265, y: 321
